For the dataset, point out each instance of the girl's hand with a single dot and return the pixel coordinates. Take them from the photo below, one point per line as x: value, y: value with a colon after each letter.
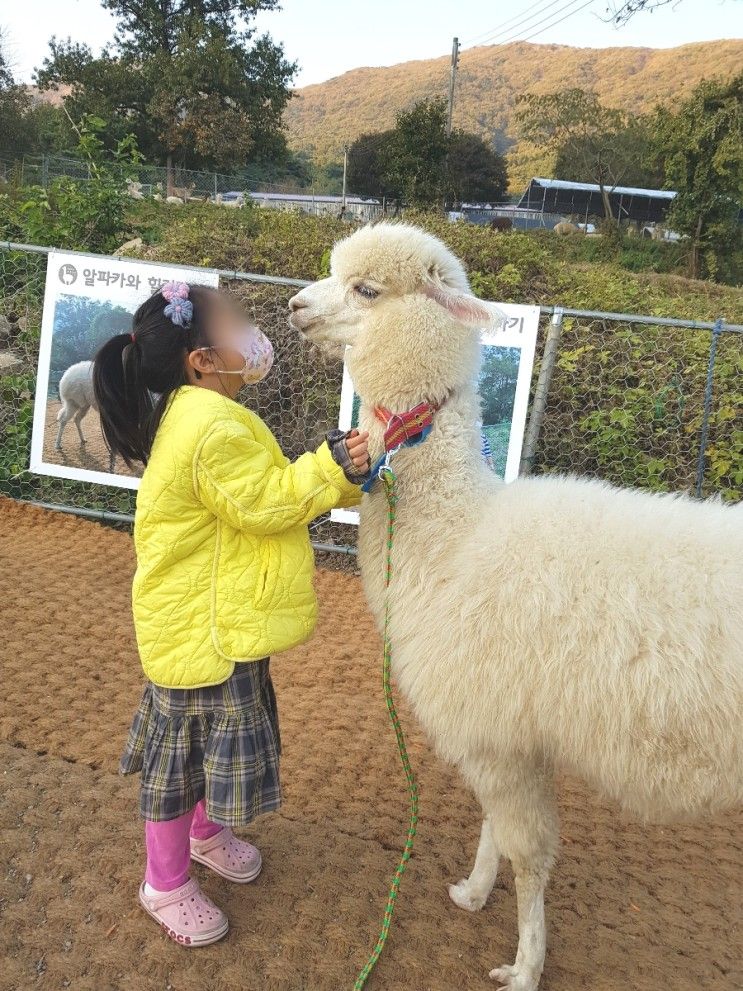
x: 358, y: 449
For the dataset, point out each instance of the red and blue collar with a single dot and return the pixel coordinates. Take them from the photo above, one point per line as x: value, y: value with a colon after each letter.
x: 401, y: 430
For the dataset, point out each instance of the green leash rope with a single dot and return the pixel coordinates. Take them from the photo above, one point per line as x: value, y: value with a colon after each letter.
x: 389, y: 481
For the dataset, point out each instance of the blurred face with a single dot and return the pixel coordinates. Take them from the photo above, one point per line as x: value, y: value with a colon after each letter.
x: 240, y: 354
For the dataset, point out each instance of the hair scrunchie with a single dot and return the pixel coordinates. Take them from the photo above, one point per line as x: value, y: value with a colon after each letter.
x: 180, y: 307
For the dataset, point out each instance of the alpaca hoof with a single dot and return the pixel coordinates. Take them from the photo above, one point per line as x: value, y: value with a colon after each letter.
x: 463, y: 897
x: 510, y: 979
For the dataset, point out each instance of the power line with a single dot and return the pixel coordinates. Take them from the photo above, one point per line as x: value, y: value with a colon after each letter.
x: 559, y: 21
x: 499, y: 27
x: 540, y: 30
x: 518, y: 36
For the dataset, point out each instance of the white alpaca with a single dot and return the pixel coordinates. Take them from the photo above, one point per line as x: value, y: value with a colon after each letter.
x: 232, y: 204
x: 134, y: 190
x: 77, y: 395
x: 554, y: 623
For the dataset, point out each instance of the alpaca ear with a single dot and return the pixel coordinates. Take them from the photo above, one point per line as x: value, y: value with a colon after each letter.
x: 463, y: 306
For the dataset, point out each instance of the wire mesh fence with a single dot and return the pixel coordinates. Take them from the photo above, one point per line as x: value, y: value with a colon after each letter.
x: 186, y: 185
x: 151, y: 179
x: 626, y: 403
x: 629, y: 399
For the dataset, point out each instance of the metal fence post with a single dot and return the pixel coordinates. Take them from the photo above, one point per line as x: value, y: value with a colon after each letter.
x: 716, y: 331
x: 551, y: 347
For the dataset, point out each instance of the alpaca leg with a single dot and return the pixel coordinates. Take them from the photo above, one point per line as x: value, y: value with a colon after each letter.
x: 471, y: 893
x: 62, y: 417
x: 78, y: 418
x: 525, y: 973
x: 524, y: 820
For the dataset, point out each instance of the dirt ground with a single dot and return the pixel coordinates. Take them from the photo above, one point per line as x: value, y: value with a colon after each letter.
x: 93, y: 455
x: 629, y: 907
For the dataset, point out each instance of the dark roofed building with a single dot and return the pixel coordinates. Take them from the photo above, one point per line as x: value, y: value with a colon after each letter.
x: 584, y: 200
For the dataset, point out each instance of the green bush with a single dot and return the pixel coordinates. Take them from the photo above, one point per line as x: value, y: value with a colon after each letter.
x: 248, y: 239
x: 80, y: 215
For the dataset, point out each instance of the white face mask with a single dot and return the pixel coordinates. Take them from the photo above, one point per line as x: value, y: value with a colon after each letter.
x: 257, y: 354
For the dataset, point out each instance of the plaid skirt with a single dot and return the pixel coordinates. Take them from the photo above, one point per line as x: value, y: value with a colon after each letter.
x: 220, y: 743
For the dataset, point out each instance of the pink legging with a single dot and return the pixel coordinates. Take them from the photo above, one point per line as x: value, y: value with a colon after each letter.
x: 168, y: 847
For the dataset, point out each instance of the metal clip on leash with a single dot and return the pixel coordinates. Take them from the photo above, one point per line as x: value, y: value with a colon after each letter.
x: 388, y: 478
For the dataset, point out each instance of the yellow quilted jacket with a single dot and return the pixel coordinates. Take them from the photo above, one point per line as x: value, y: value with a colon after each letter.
x: 224, y: 561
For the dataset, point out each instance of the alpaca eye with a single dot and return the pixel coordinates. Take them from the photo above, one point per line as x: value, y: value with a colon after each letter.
x: 366, y: 291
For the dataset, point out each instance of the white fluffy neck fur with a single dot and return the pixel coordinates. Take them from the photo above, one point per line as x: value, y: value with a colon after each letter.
x: 442, y: 474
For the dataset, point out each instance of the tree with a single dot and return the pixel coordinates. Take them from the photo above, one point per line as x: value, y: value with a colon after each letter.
x: 14, y: 105
x: 418, y: 150
x: 634, y: 147
x: 418, y: 163
x: 369, y: 164
x: 475, y: 172
x: 498, y: 377
x: 701, y: 146
x: 27, y: 127
x: 81, y: 216
x: 188, y: 79
x: 598, y: 141
x: 81, y: 326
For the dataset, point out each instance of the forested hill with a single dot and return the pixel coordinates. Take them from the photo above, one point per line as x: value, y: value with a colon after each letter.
x: 322, y: 117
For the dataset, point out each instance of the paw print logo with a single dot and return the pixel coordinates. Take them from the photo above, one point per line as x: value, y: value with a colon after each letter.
x: 67, y: 274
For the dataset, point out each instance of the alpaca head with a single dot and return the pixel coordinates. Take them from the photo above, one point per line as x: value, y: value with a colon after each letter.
x: 402, y: 301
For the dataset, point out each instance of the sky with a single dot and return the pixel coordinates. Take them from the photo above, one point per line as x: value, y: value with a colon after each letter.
x: 329, y: 37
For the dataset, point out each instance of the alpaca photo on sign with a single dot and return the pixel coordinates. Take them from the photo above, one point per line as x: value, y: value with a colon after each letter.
x: 73, y: 435
x: 88, y: 299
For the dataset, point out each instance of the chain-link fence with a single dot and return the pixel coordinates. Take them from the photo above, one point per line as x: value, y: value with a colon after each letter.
x: 195, y: 185
x: 640, y: 401
x: 151, y: 179
x: 635, y: 400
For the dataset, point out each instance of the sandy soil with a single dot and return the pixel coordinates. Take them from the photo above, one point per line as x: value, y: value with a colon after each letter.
x: 93, y: 455
x: 629, y: 907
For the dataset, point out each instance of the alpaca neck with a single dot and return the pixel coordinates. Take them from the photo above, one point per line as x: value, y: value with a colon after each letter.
x: 442, y: 474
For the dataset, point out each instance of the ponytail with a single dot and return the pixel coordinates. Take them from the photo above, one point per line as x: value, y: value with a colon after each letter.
x: 125, y: 405
x: 129, y: 368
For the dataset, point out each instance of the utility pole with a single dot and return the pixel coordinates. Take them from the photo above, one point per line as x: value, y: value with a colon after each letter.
x: 454, y: 64
x: 345, y: 170
x: 452, y: 78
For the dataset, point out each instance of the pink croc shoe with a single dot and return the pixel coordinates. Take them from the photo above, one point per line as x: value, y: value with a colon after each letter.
x: 186, y: 914
x: 231, y: 858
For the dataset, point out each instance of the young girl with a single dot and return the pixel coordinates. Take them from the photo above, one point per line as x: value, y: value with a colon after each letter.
x: 223, y: 580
